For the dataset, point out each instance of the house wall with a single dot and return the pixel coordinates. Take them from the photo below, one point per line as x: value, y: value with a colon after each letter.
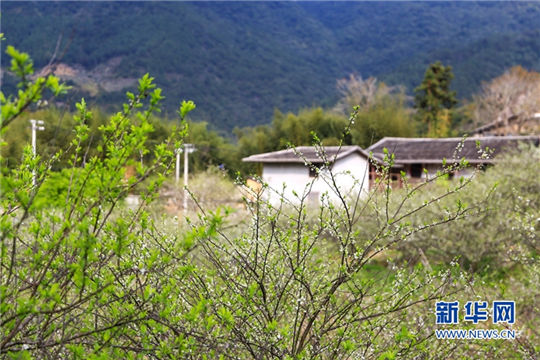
x: 432, y: 172
x: 285, y: 178
x: 466, y: 173
x: 433, y: 168
x: 351, y: 174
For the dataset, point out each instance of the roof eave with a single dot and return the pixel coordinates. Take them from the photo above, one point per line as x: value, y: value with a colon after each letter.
x: 448, y: 161
x: 299, y: 160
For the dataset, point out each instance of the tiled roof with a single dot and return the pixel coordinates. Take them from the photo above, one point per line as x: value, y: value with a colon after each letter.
x: 501, y: 124
x: 428, y: 150
x: 302, y: 154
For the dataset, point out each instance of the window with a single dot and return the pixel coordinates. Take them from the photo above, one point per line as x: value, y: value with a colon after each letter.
x: 314, y: 170
x: 416, y: 170
x: 395, y: 174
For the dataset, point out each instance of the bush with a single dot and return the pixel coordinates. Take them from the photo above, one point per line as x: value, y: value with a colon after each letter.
x: 75, y: 280
x: 505, y: 234
x: 90, y: 279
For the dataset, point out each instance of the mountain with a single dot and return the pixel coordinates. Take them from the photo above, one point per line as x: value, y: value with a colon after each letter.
x: 240, y: 60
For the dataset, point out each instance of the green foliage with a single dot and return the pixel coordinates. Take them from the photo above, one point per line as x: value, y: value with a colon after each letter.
x: 434, y: 100
x: 298, y: 129
x: 30, y: 91
x: 59, y: 130
x: 387, y: 117
x: 212, y: 149
x: 84, y: 277
x: 185, y: 108
x: 300, y: 282
x: 54, y: 190
x: 75, y: 261
x: 506, y: 234
x: 500, y: 51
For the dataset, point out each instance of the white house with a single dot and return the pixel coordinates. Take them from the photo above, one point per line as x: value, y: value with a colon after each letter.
x: 305, y: 170
x: 314, y: 171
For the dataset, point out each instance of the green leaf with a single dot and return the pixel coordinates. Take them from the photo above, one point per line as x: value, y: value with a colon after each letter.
x: 185, y: 108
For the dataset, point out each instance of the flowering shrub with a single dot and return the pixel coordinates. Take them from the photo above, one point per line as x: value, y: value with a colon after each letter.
x: 83, y: 277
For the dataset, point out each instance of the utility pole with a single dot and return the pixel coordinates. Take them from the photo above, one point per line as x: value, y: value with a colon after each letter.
x: 178, y: 151
x: 36, y: 125
x: 188, y: 149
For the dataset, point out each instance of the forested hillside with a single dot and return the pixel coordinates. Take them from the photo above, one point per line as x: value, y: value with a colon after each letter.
x: 240, y: 61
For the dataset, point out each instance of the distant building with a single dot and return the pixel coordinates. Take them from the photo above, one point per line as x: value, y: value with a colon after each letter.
x: 413, y: 155
x: 305, y: 171
x: 514, y: 125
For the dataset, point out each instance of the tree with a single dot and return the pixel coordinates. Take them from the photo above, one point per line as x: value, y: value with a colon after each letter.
x: 364, y: 93
x: 30, y: 92
x: 434, y: 100
x: 290, y: 128
x: 387, y: 117
x: 298, y: 129
x: 212, y: 149
x: 80, y: 280
x: 515, y: 95
x: 58, y: 131
x: 381, y: 109
x: 305, y: 283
